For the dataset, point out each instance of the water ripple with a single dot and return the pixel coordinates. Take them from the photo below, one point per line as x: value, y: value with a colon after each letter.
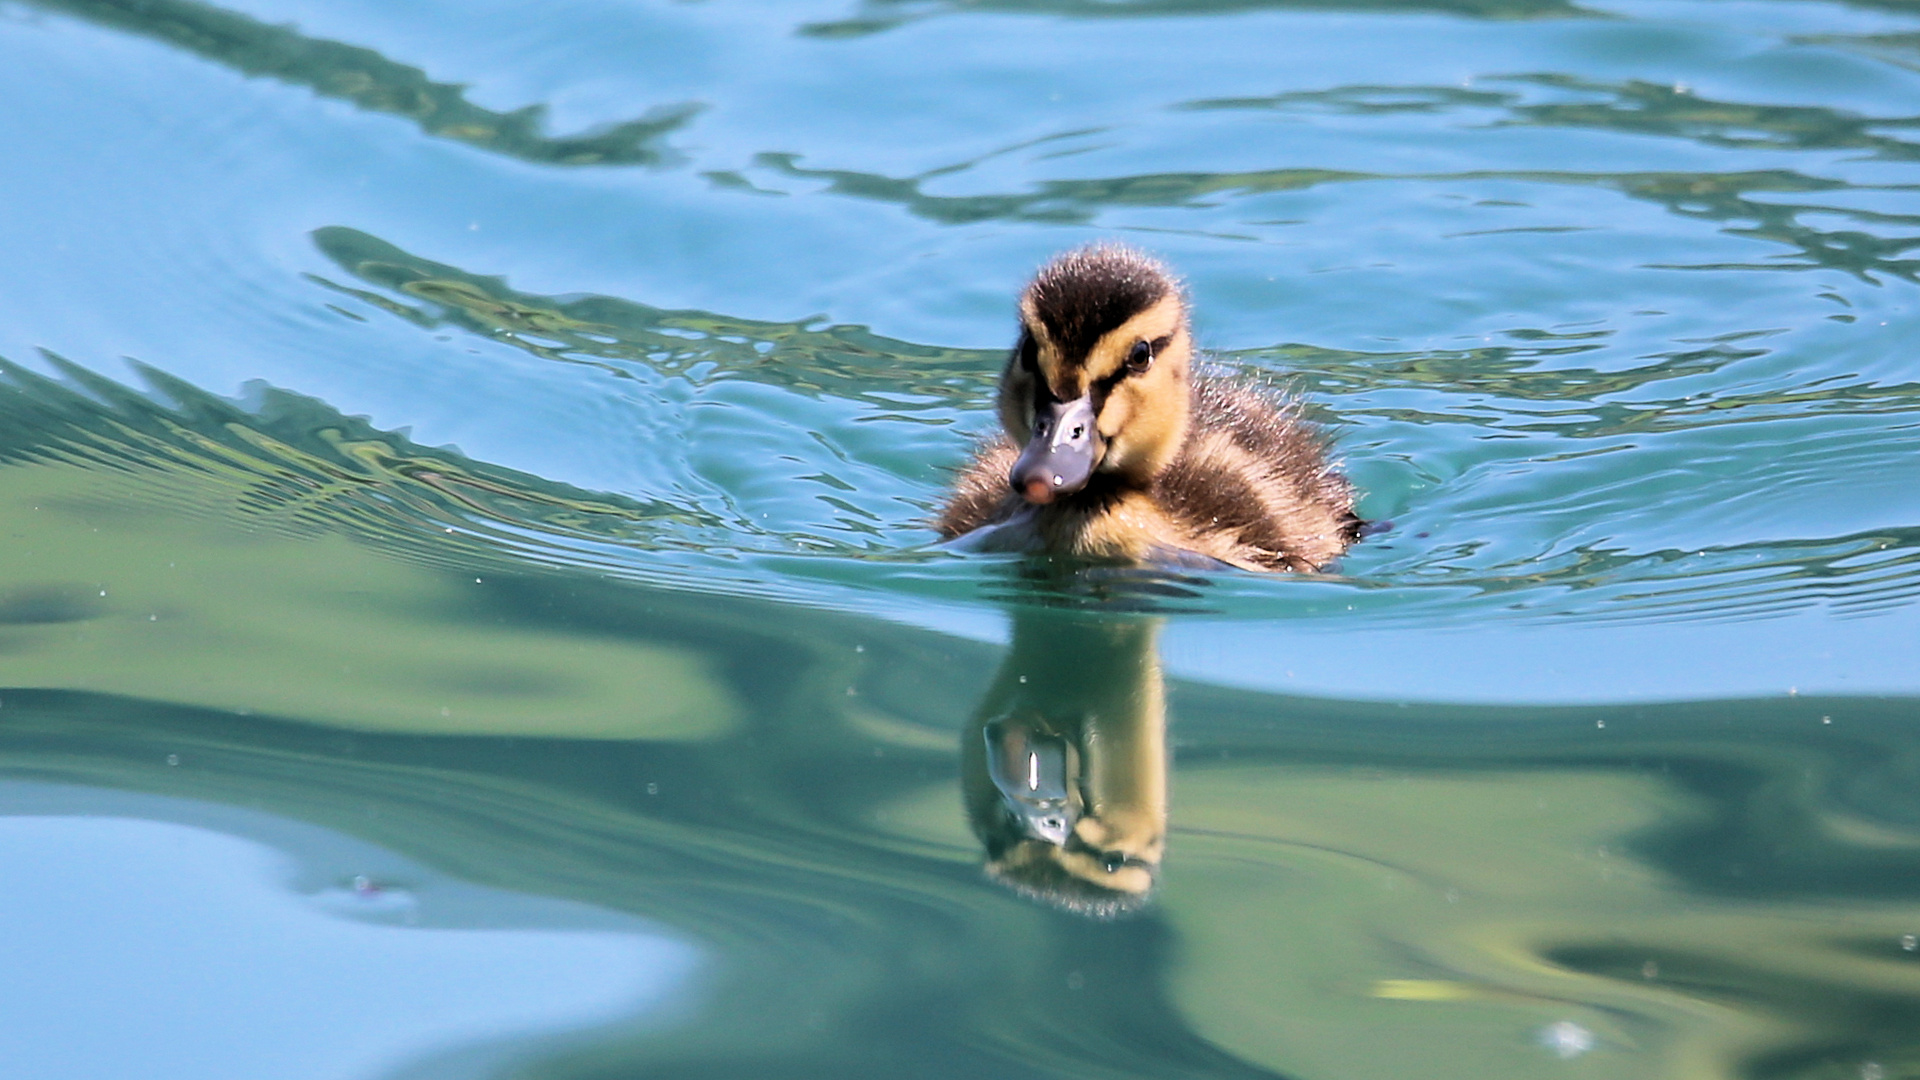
x: 1560, y: 544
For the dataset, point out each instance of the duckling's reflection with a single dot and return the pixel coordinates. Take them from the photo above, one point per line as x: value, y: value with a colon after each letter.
x: 1064, y: 765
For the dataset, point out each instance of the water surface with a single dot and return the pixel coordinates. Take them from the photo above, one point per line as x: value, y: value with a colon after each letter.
x: 464, y: 473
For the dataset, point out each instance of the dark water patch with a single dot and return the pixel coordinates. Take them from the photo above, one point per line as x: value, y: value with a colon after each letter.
x: 877, y: 16
x: 1902, y: 49
x: 370, y: 81
x: 1674, y: 110
x: 1051, y: 201
x: 43, y: 605
x: 1632, y: 106
x: 1504, y: 388
x: 1721, y: 197
x: 609, y: 332
x: 1363, y: 100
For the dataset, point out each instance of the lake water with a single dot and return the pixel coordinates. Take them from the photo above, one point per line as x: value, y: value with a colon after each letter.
x: 466, y: 607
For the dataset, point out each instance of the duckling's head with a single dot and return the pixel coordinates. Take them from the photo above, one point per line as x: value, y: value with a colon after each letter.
x: 1097, y: 387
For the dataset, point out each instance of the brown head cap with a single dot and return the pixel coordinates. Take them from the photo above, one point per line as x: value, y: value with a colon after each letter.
x: 1085, y: 294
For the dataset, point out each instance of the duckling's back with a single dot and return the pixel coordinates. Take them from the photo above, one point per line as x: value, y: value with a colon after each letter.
x: 1252, y: 485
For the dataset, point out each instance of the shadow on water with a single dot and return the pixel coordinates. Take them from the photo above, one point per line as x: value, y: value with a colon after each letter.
x: 372, y: 82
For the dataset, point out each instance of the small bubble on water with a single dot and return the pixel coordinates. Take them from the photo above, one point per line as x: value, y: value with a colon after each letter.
x: 1872, y: 1071
x: 1599, y: 723
x: 1910, y: 942
x: 364, y: 895
x: 1453, y: 896
x: 653, y: 789
x: 1023, y: 679
x: 173, y: 759
x: 1650, y: 970
x: 1826, y: 719
x: 1566, y: 1039
x: 859, y: 648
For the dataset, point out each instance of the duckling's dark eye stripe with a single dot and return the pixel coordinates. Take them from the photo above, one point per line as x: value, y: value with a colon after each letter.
x: 1027, y: 353
x: 1102, y: 387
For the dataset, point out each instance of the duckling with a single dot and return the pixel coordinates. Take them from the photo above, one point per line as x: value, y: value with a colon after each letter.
x: 1115, y: 448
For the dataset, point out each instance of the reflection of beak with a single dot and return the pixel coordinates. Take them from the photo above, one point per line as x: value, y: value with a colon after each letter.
x: 1064, y: 449
x: 1034, y: 775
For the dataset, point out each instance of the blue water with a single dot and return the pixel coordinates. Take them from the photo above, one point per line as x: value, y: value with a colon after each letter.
x: 470, y: 464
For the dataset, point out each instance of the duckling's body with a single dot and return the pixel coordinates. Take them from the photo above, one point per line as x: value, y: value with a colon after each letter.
x: 1114, y: 448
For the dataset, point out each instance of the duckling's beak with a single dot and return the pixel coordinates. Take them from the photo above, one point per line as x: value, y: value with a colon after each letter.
x: 1062, y: 454
x: 1035, y: 775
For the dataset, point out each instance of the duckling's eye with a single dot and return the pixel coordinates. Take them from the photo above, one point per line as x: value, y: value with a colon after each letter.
x: 1140, y: 359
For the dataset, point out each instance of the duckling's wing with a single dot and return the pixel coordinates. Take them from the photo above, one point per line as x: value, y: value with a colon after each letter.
x: 981, y: 497
x: 1015, y: 533
x: 1168, y: 557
